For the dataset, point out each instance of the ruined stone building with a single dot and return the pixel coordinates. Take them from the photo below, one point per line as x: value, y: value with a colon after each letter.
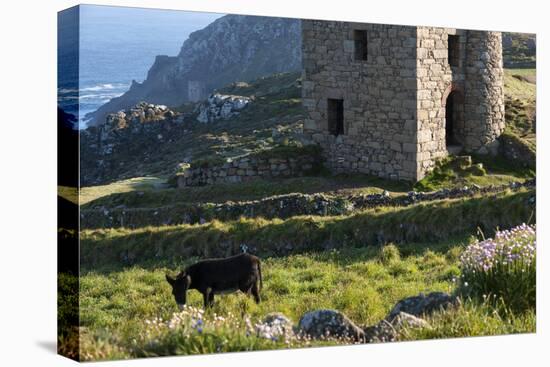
x: 390, y: 100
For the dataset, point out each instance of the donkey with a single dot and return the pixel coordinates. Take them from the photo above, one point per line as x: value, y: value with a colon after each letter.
x: 219, y: 276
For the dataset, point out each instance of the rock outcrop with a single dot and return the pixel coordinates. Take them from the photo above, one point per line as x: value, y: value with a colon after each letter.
x: 422, y: 304
x: 232, y: 48
x: 221, y: 106
x: 388, y: 330
x: 126, y: 137
x: 320, y: 324
x: 142, y: 118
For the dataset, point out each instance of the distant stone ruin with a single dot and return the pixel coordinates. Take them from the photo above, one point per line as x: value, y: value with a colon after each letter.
x: 390, y: 100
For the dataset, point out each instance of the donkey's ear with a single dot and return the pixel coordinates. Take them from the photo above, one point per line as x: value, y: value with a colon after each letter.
x: 170, y: 280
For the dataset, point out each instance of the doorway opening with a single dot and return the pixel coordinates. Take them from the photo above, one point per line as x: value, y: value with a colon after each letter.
x: 454, y: 121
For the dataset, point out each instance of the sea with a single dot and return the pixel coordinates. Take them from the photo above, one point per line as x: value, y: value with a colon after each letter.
x: 116, y: 45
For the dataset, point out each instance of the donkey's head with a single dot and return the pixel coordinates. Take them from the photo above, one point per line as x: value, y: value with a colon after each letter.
x: 180, y: 284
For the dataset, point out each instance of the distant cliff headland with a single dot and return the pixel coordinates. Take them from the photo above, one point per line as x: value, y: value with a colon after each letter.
x: 234, y: 47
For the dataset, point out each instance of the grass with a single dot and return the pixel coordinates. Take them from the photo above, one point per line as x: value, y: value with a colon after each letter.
x: 340, y: 185
x: 142, y: 193
x: 364, y: 283
x: 473, y: 318
x: 520, y: 105
x: 91, y: 193
x: 433, y: 221
x: 354, y: 281
x: 68, y: 193
x: 484, y: 171
x: 515, y: 85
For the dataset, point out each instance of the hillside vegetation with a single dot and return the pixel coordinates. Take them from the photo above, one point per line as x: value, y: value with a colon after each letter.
x: 520, y: 87
x: 519, y: 50
x: 274, y: 118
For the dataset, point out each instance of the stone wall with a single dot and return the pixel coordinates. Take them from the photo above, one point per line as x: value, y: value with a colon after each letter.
x: 379, y: 96
x: 280, y: 206
x: 484, y: 87
x: 395, y: 101
x: 246, y: 169
x: 436, y: 80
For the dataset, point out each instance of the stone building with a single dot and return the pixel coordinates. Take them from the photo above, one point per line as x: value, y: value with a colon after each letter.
x: 390, y: 100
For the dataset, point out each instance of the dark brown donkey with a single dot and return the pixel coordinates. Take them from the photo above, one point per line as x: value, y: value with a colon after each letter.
x: 218, y: 276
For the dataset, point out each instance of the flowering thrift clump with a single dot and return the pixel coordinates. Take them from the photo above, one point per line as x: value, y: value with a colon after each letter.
x: 503, y: 267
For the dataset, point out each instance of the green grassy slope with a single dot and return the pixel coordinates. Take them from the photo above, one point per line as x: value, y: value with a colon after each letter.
x: 433, y: 221
x: 364, y: 283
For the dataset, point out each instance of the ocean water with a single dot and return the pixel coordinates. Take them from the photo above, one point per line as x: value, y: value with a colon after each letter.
x: 118, y: 45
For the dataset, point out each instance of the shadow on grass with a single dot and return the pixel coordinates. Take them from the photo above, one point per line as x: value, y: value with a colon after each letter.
x: 248, y: 191
x: 430, y: 223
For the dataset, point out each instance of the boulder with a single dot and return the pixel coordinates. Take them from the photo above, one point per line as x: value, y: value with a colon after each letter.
x: 423, y: 304
x: 274, y: 326
x: 403, y: 319
x: 320, y: 324
x: 388, y: 330
x: 381, y: 332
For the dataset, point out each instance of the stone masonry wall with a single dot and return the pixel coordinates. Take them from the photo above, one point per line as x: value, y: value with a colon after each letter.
x: 246, y: 169
x: 395, y: 100
x: 436, y: 79
x: 379, y: 96
x: 484, y: 87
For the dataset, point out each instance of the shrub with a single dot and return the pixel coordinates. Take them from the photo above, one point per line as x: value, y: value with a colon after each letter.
x: 389, y: 254
x: 207, y: 162
x: 503, y: 267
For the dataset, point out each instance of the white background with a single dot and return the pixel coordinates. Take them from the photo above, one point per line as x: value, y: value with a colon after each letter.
x: 28, y: 179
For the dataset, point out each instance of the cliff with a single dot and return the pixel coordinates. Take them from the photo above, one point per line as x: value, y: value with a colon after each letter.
x: 232, y: 48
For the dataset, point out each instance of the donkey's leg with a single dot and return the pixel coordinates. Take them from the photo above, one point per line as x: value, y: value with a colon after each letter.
x: 208, y: 296
x: 256, y: 291
x: 211, y: 299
